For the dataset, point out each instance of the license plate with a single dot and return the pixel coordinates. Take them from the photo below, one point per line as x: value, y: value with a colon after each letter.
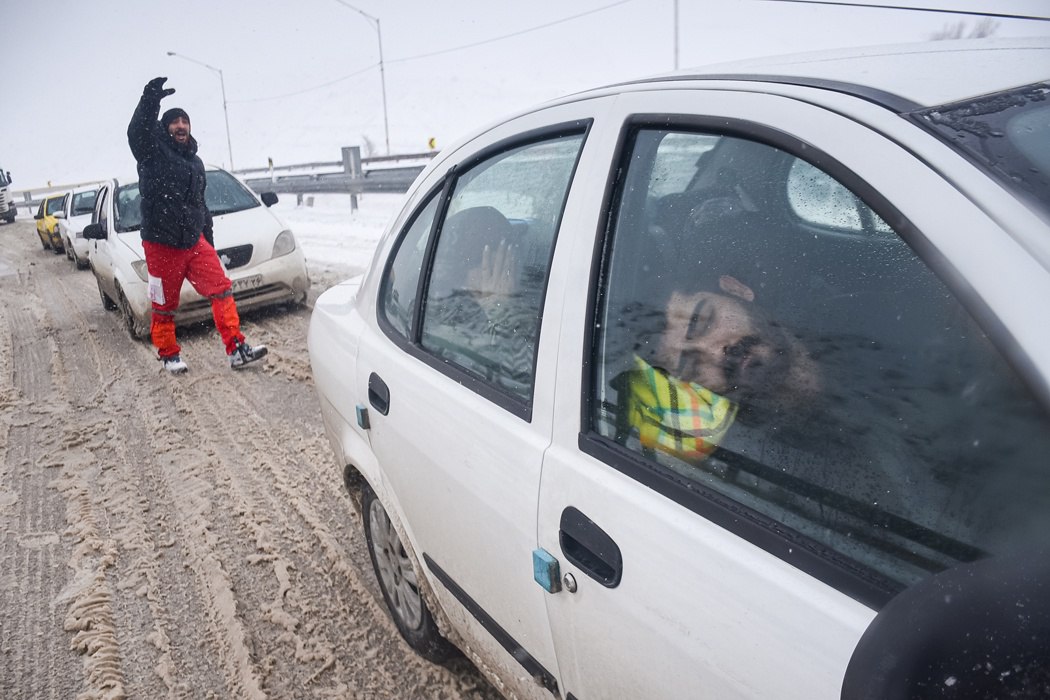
x: 243, y: 283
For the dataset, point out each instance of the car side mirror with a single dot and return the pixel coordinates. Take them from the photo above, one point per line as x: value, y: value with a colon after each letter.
x: 38, y: 217
x: 95, y: 231
x: 269, y: 198
x: 982, y: 628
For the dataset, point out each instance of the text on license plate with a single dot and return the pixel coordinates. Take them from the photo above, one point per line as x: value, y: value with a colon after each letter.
x: 250, y: 282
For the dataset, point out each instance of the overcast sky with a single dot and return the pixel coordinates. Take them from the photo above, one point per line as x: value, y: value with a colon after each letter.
x: 302, y: 78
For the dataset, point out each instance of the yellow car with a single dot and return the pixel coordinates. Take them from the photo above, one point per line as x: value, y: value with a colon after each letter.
x: 47, y: 222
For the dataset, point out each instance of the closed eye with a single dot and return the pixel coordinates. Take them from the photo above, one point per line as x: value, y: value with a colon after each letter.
x: 700, y: 321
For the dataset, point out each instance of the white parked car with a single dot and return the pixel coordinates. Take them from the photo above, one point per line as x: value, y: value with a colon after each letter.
x: 725, y: 384
x: 260, y: 253
x: 76, y: 214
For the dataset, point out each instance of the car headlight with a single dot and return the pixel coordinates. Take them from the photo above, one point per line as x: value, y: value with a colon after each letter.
x: 139, y: 266
x: 284, y: 244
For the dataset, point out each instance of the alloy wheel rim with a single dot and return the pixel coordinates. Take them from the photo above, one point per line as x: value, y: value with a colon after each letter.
x: 396, y: 574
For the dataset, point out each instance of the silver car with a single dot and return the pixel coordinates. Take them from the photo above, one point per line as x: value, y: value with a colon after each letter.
x: 723, y: 384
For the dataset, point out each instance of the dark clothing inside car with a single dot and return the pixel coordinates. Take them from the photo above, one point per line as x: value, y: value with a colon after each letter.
x: 171, y: 181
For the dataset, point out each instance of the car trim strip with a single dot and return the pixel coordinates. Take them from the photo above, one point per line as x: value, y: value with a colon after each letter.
x: 523, y: 657
x: 882, y: 98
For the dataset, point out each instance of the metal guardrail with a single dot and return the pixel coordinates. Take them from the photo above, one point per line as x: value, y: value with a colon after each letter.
x: 354, y: 176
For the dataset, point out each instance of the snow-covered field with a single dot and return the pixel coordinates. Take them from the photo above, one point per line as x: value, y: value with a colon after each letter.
x: 338, y: 242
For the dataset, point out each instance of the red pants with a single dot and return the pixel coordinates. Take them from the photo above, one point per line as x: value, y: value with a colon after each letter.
x: 168, y: 267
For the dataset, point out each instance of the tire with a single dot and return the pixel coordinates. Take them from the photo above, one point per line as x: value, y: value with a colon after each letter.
x: 68, y: 248
x: 107, y: 303
x: 136, y: 330
x: 397, y: 578
x: 44, y: 241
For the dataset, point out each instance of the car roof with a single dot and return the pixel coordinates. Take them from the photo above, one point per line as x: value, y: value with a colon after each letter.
x: 902, y: 77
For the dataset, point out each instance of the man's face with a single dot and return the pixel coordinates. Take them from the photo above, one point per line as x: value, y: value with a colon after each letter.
x: 722, y: 343
x: 179, y: 129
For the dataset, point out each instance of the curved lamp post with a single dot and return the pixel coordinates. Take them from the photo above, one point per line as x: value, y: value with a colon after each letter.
x: 222, y: 84
x: 382, y: 73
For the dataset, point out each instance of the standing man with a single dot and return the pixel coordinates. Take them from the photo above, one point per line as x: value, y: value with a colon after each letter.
x: 177, y: 229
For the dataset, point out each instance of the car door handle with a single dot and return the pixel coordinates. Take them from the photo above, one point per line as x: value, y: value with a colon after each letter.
x: 378, y: 394
x: 589, y: 547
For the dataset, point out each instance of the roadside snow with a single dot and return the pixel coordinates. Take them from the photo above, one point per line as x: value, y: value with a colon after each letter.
x: 337, y: 242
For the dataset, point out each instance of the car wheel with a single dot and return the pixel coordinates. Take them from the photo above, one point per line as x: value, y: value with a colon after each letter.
x: 44, y: 242
x: 69, y: 249
x: 107, y: 303
x: 81, y: 263
x: 398, y: 581
x: 136, y: 330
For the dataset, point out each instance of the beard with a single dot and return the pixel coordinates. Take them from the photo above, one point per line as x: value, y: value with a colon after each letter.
x: 756, y: 366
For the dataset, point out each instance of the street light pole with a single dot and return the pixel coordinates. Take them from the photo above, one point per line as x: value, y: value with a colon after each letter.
x: 676, y: 34
x: 222, y: 85
x: 382, y: 72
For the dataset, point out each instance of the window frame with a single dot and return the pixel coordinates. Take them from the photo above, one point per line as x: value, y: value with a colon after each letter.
x: 835, y: 569
x: 412, y: 345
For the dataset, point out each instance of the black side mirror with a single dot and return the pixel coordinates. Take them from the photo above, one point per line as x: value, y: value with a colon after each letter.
x: 977, y: 630
x: 38, y: 217
x: 268, y: 198
x: 95, y: 231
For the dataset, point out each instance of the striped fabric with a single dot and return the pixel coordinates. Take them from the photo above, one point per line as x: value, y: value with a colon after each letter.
x: 678, y: 417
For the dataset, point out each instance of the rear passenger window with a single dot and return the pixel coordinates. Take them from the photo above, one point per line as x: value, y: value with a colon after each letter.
x: 489, y: 267
x: 397, y: 298
x: 764, y: 338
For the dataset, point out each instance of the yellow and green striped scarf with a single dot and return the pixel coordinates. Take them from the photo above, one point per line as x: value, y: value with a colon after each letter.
x: 678, y: 417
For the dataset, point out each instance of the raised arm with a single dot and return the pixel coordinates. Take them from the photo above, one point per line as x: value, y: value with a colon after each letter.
x: 142, y: 131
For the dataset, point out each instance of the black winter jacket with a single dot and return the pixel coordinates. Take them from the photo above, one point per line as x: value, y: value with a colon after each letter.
x: 171, y: 181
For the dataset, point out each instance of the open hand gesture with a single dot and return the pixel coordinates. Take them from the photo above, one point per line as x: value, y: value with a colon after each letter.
x: 155, y: 89
x: 495, y: 274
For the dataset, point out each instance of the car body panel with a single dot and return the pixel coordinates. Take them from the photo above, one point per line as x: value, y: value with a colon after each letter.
x: 712, y: 601
x: 77, y: 209
x: 47, y: 222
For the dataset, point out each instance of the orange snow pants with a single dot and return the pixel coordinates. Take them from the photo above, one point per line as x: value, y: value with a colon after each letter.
x: 168, y: 267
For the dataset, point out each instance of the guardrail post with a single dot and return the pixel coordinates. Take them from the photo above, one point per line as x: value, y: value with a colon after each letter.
x: 352, y: 167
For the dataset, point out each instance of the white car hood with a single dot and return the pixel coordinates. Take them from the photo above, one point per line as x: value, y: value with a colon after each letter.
x: 257, y: 226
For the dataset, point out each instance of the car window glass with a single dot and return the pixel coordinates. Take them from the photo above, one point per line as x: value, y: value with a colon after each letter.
x: 490, y: 266
x: 398, y: 292
x: 83, y: 203
x: 54, y: 205
x: 225, y: 195
x: 831, y: 384
x: 128, y: 208
x: 1006, y: 133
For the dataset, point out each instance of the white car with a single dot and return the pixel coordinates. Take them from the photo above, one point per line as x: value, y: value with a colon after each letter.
x: 260, y: 253
x: 725, y: 384
x: 76, y: 214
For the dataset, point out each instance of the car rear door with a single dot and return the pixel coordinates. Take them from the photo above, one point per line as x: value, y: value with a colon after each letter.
x: 459, y: 367
x: 735, y: 540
